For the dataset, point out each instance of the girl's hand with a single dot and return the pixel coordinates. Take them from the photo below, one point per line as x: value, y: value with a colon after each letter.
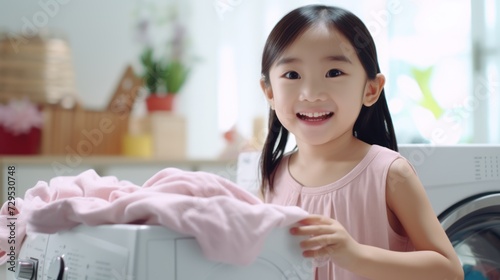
x: 328, y: 239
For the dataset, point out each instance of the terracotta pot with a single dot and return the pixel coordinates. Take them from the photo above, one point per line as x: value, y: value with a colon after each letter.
x: 160, y: 102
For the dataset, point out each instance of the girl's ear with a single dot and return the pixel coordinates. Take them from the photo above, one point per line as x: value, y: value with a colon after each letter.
x: 268, y: 92
x: 373, y: 90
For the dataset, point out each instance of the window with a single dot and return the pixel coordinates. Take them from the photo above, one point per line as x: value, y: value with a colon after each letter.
x: 430, y: 72
x: 486, y: 67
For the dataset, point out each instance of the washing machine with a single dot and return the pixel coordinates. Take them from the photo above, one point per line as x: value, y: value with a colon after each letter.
x: 463, y: 185
x: 149, y: 252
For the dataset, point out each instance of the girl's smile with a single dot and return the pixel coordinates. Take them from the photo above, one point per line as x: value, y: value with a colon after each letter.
x: 315, y: 118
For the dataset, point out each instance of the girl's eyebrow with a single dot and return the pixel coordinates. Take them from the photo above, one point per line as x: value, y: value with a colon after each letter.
x: 288, y: 60
x: 341, y: 58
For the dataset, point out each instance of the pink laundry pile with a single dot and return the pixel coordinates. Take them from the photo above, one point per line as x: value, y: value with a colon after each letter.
x: 229, y: 223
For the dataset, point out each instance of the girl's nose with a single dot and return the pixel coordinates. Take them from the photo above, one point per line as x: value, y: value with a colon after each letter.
x: 313, y: 90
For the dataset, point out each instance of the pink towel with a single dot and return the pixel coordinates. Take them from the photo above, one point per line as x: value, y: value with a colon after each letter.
x: 229, y: 223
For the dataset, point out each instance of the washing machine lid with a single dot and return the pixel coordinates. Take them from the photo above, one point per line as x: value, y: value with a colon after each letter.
x: 473, y: 227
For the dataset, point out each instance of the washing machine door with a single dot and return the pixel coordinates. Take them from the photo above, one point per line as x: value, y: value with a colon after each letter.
x: 473, y: 227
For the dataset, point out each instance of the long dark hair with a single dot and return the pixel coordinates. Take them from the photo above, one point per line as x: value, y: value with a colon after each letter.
x: 374, y: 123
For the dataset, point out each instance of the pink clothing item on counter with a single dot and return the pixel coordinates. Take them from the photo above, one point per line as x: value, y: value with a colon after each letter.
x: 357, y: 201
x: 229, y: 223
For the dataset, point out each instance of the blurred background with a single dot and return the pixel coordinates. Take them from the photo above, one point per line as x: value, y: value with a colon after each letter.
x: 441, y: 60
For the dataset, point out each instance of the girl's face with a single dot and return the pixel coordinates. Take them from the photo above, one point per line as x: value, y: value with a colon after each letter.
x: 318, y: 86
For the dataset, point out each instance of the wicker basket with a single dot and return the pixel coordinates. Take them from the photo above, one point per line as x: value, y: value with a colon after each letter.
x: 38, y: 68
x: 82, y: 132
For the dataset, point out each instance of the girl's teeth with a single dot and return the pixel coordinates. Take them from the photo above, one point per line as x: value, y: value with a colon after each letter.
x: 316, y: 116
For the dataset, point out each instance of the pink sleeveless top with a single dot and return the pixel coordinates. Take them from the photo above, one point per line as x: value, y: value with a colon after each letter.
x: 357, y: 201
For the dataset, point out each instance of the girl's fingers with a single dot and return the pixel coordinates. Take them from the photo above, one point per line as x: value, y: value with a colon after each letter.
x: 316, y: 225
x: 317, y: 242
x: 313, y: 224
x: 316, y: 220
x: 318, y: 253
x: 312, y: 230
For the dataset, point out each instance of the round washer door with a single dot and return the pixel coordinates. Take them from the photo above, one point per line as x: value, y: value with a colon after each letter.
x: 473, y: 228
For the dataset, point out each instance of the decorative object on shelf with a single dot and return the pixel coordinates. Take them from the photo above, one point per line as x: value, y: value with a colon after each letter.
x: 165, y: 71
x: 168, y: 131
x: 138, y: 141
x: 160, y: 135
x: 20, y: 127
x: 137, y: 145
x: 81, y: 132
x: 38, y: 67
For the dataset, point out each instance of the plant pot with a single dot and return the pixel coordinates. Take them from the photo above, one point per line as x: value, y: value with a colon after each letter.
x: 160, y: 102
x: 23, y: 144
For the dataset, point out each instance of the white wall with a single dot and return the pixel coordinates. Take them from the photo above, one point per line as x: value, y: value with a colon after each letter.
x: 99, y: 33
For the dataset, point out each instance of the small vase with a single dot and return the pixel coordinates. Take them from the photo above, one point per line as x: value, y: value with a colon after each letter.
x: 156, y: 102
x: 23, y: 144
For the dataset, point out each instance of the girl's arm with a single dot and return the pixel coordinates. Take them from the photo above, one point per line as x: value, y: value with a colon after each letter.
x: 434, y: 257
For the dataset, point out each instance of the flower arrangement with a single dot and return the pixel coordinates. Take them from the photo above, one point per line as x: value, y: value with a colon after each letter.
x: 20, y: 127
x: 20, y: 116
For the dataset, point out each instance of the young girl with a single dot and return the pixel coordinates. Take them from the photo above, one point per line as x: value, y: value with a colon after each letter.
x: 370, y: 217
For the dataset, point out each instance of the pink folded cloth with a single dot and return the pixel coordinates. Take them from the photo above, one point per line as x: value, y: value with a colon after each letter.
x: 229, y: 223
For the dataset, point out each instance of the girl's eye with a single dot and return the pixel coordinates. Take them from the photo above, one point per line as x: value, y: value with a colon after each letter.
x: 292, y: 75
x: 333, y: 73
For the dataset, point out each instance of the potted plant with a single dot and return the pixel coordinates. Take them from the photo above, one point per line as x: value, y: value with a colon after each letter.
x: 163, y: 79
x: 164, y: 75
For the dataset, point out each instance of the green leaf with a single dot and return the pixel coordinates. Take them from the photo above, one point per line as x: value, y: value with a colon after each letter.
x: 153, y: 71
x: 175, y: 76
